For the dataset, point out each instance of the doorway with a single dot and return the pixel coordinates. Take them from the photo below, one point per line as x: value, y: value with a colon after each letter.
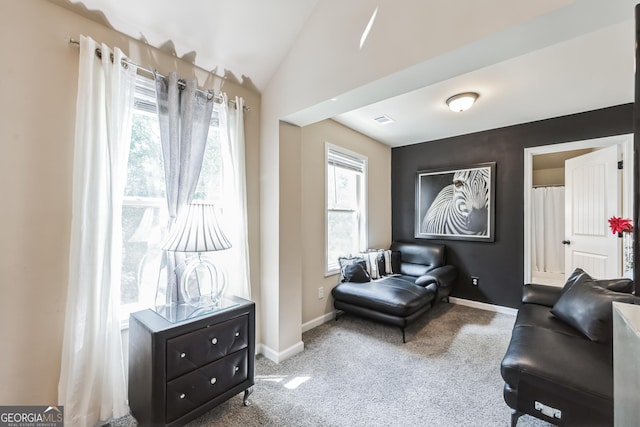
x: 544, y: 178
x: 548, y: 216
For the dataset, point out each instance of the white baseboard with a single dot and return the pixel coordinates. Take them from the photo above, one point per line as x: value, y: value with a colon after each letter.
x: 278, y: 357
x: 484, y: 306
x: 318, y: 321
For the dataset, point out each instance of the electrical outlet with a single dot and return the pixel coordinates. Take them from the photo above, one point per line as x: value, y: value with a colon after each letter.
x: 321, y: 292
x: 475, y: 281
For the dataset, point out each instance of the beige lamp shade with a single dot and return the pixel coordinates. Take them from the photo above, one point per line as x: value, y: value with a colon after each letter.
x: 196, y: 230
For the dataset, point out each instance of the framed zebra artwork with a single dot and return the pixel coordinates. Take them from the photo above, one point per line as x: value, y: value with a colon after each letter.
x: 456, y: 203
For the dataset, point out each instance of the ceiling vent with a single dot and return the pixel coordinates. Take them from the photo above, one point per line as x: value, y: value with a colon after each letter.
x: 383, y: 120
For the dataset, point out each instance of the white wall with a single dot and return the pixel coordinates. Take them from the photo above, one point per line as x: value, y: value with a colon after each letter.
x: 289, y: 298
x: 313, y: 206
x: 327, y: 60
x: 37, y: 116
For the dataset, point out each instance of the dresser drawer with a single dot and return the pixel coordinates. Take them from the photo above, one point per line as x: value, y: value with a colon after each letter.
x: 198, y: 348
x: 191, y: 390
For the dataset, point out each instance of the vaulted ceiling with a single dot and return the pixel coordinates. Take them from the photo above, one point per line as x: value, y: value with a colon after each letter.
x: 585, y: 59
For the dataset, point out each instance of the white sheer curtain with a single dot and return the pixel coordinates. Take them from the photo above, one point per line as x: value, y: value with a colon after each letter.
x: 92, y: 383
x: 234, y: 215
x: 548, y: 229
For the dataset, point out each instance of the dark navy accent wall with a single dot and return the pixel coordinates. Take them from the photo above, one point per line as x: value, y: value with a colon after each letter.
x: 499, y: 265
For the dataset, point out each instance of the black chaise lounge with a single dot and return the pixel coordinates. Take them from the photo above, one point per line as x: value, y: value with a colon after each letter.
x: 421, y: 278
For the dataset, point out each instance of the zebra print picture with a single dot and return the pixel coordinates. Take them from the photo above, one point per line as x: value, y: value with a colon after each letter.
x: 456, y: 203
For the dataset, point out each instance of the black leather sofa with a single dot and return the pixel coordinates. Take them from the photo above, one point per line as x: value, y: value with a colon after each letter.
x: 551, y: 369
x: 421, y: 277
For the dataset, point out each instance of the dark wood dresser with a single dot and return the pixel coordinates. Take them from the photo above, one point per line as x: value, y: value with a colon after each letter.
x: 185, y: 361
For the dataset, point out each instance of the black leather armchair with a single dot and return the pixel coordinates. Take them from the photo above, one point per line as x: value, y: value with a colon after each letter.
x: 421, y: 278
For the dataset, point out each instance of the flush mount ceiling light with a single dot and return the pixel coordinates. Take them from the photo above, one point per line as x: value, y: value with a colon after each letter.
x: 462, y: 101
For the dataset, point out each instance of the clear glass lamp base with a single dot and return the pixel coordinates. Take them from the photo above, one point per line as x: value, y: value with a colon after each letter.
x: 202, y: 283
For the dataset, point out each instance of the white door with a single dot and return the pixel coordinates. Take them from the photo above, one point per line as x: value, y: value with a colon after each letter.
x: 593, y: 195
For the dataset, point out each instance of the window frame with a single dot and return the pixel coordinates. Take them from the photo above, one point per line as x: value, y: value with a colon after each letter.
x: 145, y: 103
x: 333, y: 268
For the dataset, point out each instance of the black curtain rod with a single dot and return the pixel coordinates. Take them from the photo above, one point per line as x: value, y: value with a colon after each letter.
x: 126, y: 62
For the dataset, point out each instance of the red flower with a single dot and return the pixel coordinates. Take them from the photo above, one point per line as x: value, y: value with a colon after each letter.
x: 620, y: 225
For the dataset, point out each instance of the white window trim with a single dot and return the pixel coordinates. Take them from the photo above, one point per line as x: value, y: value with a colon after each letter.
x: 364, y: 235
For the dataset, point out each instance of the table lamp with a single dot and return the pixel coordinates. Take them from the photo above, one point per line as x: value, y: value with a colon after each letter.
x: 197, y: 230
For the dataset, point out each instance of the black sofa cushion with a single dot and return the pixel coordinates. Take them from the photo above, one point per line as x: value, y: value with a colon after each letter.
x: 389, y: 295
x: 617, y: 285
x: 539, y: 316
x: 540, y: 294
x: 586, y: 306
x: 563, y: 360
x: 563, y: 371
x: 417, y: 260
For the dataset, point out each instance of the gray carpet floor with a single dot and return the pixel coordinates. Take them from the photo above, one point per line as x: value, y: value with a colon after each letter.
x: 355, y: 372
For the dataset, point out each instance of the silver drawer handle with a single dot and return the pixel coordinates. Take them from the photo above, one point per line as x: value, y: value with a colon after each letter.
x: 237, y: 369
x: 183, y: 355
x: 214, y: 341
x: 237, y: 334
x: 182, y: 396
x: 213, y: 380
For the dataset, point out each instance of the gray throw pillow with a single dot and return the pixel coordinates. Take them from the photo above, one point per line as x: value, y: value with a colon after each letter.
x: 347, y: 271
x: 587, y: 306
x: 355, y: 273
x: 573, y: 278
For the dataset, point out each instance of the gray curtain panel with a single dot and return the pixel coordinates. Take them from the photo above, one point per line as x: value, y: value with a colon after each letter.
x: 184, y: 113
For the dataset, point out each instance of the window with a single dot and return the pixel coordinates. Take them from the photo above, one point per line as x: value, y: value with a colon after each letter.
x: 144, y: 210
x: 346, y: 218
